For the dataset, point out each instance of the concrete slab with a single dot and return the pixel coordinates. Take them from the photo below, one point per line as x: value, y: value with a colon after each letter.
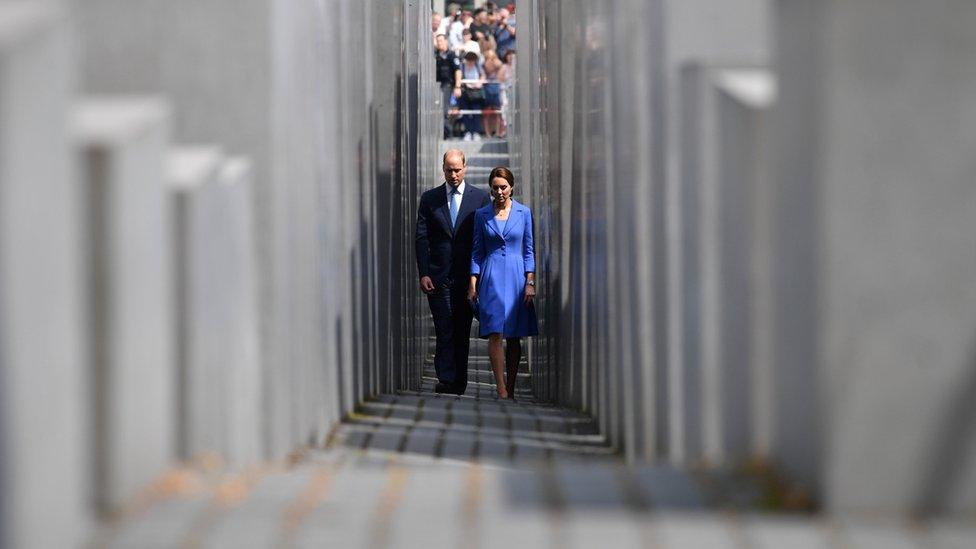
x: 121, y: 144
x: 44, y: 430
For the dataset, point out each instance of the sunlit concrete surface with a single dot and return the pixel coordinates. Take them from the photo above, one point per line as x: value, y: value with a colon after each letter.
x: 415, y: 469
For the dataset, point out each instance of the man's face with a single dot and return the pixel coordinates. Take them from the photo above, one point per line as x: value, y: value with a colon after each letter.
x: 441, y: 43
x: 454, y: 169
x: 482, y: 18
x: 435, y: 21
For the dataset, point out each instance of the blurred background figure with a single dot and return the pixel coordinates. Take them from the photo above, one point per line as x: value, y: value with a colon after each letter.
x: 496, y: 77
x: 448, y: 70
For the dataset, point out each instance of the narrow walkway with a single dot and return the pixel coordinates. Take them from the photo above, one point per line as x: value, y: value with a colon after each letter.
x: 416, y: 469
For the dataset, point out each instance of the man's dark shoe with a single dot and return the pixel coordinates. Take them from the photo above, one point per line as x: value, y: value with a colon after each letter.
x: 442, y: 387
x: 458, y: 390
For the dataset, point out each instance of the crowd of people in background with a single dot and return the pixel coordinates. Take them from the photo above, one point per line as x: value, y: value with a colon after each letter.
x: 475, y: 56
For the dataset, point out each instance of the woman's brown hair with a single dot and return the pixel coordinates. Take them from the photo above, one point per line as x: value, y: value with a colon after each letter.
x: 504, y: 173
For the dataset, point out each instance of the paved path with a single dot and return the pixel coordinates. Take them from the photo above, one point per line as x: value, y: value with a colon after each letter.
x: 426, y: 471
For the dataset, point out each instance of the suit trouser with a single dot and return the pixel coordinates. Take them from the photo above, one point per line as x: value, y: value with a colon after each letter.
x: 452, y: 324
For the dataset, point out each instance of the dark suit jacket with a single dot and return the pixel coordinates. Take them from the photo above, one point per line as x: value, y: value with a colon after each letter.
x: 443, y: 250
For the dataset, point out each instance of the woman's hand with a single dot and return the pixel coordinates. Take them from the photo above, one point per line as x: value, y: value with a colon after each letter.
x: 529, y: 293
x: 473, y: 290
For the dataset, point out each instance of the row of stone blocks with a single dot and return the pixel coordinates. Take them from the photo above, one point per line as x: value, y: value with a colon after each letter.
x: 825, y: 220
x: 828, y: 217
x: 171, y: 296
x: 127, y: 277
x: 795, y: 253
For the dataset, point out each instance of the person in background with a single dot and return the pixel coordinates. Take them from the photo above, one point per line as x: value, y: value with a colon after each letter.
x: 472, y: 94
x: 480, y: 28
x: 455, y: 27
x: 448, y: 69
x: 436, y: 22
x: 468, y: 44
x: 487, y: 43
x: 504, y: 33
x: 467, y: 19
x: 502, y: 283
x: 495, y: 75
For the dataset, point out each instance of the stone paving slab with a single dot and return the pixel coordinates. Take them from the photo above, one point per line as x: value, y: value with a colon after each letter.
x: 952, y: 535
x: 879, y: 536
x: 165, y: 525
x: 713, y: 531
x: 257, y: 521
x: 495, y: 449
x: 508, y: 513
x: 423, y: 441
x: 585, y: 530
x: 669, y: 488
x: 459, y: 445
x: 429, y: 513
x: 388, y: 438
x: 582, y: 486
x: 345, y: 516
x: 771, y: 533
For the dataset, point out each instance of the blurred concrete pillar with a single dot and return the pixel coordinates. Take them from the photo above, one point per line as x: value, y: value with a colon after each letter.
x: 722, y: 157
x: 42, y: 354
x: 234, y: 255
x: 192, y: 175
x: 122, y: 142
x: 875, y: 167
x: 744, y: 99
x: 252, y: 76
x: 711, y: 32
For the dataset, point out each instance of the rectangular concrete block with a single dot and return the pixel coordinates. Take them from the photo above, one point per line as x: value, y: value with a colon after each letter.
x: 877, y: 167
x: 121, y: 145
x: 192, y: 175
x: 264, y: 84
x: 721, y: 32
x: 724, y: 112
x: 220, y: 371
x: 236, y: 255
x: 43, y: 434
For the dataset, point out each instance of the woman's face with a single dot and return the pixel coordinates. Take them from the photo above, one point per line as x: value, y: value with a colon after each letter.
x: 500, y: 190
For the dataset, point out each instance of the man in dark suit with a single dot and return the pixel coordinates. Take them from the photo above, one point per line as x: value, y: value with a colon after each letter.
x: 445, y: 225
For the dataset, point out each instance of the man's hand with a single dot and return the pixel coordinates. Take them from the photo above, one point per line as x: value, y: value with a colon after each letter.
x: 426, y: 284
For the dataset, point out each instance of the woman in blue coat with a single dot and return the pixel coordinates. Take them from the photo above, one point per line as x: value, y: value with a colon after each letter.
x: 503, y: 278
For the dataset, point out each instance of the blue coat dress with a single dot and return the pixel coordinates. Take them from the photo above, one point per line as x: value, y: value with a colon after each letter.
x: 501, y: 257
